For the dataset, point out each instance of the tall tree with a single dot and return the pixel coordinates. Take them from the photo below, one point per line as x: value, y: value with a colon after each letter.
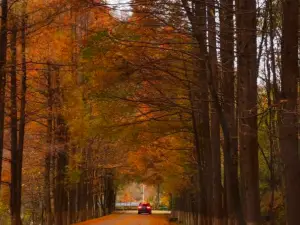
x: 247, y: 107
x: 228, y: 90
x: 61, y: 159
x: 215, y: 121
x: 288, y: 114
x: 196, y: 15
x: 3, y: 53
x: 16, y: 185
x: 48, y: 156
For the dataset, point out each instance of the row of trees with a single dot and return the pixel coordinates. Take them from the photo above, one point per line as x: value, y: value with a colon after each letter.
x: 215, y: 82
x: 247, y: 66
x: 198, y: 97
x: 48, y: 176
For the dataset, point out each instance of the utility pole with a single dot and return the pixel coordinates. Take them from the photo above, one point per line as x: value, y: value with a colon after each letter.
x: 143, y: 186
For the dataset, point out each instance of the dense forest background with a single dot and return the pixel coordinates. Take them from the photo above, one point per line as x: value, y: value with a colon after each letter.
x: 197, y: 97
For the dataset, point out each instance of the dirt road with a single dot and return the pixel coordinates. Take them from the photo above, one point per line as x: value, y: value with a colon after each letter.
x: 130, y: 218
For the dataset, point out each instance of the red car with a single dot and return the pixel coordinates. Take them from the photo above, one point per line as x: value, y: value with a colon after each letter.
x: 144, y: 208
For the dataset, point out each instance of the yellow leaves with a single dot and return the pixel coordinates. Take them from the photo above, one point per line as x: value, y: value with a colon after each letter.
x: 165, y: 200
x: 212, y: 13
x: 153, y: 161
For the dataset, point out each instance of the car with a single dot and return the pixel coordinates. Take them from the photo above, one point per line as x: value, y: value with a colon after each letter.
x: 144, y: 208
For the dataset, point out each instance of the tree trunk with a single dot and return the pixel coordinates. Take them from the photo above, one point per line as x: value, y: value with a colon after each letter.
x: 90, y: 180
x: 22, y: 122
x: 288, y: 115
x: 61, y: 204
x: 96, y: 205
x: 60, y: 192
x: 61, y: 195
x: 110, y: 194
x: 247, y: 107
x: 73, y: 206
x: 157, y: 195
x: 204, y: 120
x: 15, y: 156
x: 23, y: 94
x: 47, y: 176
x: 3, y: 53
x: 228, y: 89
x: 82, y: 195
x: 215, y: 123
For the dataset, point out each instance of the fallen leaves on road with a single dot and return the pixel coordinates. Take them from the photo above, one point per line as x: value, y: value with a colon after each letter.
x: 126, y: 219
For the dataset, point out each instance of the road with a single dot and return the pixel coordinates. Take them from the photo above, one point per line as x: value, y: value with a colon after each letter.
x: 130, y: 218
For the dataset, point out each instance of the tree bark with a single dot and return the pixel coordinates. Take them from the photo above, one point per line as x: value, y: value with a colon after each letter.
x: 23, y: 93
x: 288, y: 115
x: 3, y: 53
x: 228, y: 89
x: 16, y: 164
x: 157, y: 195
x: 89, y: 184
x: 215, y: 123
x: 61, y: 199
x: 247, y: 107
x: 233, y: 189
x: 22, y: 122
x: 73, y: 190
x: 204, y: 120
x: 47, y: 179
x: 60, y: 192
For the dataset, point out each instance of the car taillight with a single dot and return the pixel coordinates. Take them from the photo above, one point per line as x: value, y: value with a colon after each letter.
x: 148, y: 207
x: 140, y: 207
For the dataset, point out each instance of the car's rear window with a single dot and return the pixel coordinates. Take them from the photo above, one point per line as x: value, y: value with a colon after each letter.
x: 146, y: 204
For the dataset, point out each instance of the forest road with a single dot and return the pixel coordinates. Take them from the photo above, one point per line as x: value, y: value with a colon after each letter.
x: 130, y: 218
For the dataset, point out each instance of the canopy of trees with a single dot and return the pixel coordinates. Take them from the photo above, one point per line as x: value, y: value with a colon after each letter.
x: 197, y: 98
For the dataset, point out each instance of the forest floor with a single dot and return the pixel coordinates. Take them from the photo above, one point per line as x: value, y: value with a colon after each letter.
x: 130, y: 218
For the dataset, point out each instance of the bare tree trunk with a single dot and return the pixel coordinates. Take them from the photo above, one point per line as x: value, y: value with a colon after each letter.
x: 22, y: 122
x: 15, y: 156
x: 96, y: 199
x: 61, y: 203
x: 197, y: 148
x: 227, y: 59
x: 23, y: 93
x: 233, y: 188
x: 72, y: 204
x: 61, y: 196
x: 82, y: 193
x: 215, y: 123
x: 47, y: 190
x: 204, y: 120
x: 157, y: 195
x: 3, y: 53
x: 247, y: 107
x: 60, y: 192
x: 47, y: 179
x: 110, y: 193
x: 288, y: 115
x: 73, y: 207
x: 89, y: 184
x: 81, y: 199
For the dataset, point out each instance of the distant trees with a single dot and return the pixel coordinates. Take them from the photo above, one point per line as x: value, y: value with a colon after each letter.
x: 199, y: 98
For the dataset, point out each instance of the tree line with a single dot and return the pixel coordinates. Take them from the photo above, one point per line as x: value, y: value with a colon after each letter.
x: 46, y: 178
x: 199, y: 97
